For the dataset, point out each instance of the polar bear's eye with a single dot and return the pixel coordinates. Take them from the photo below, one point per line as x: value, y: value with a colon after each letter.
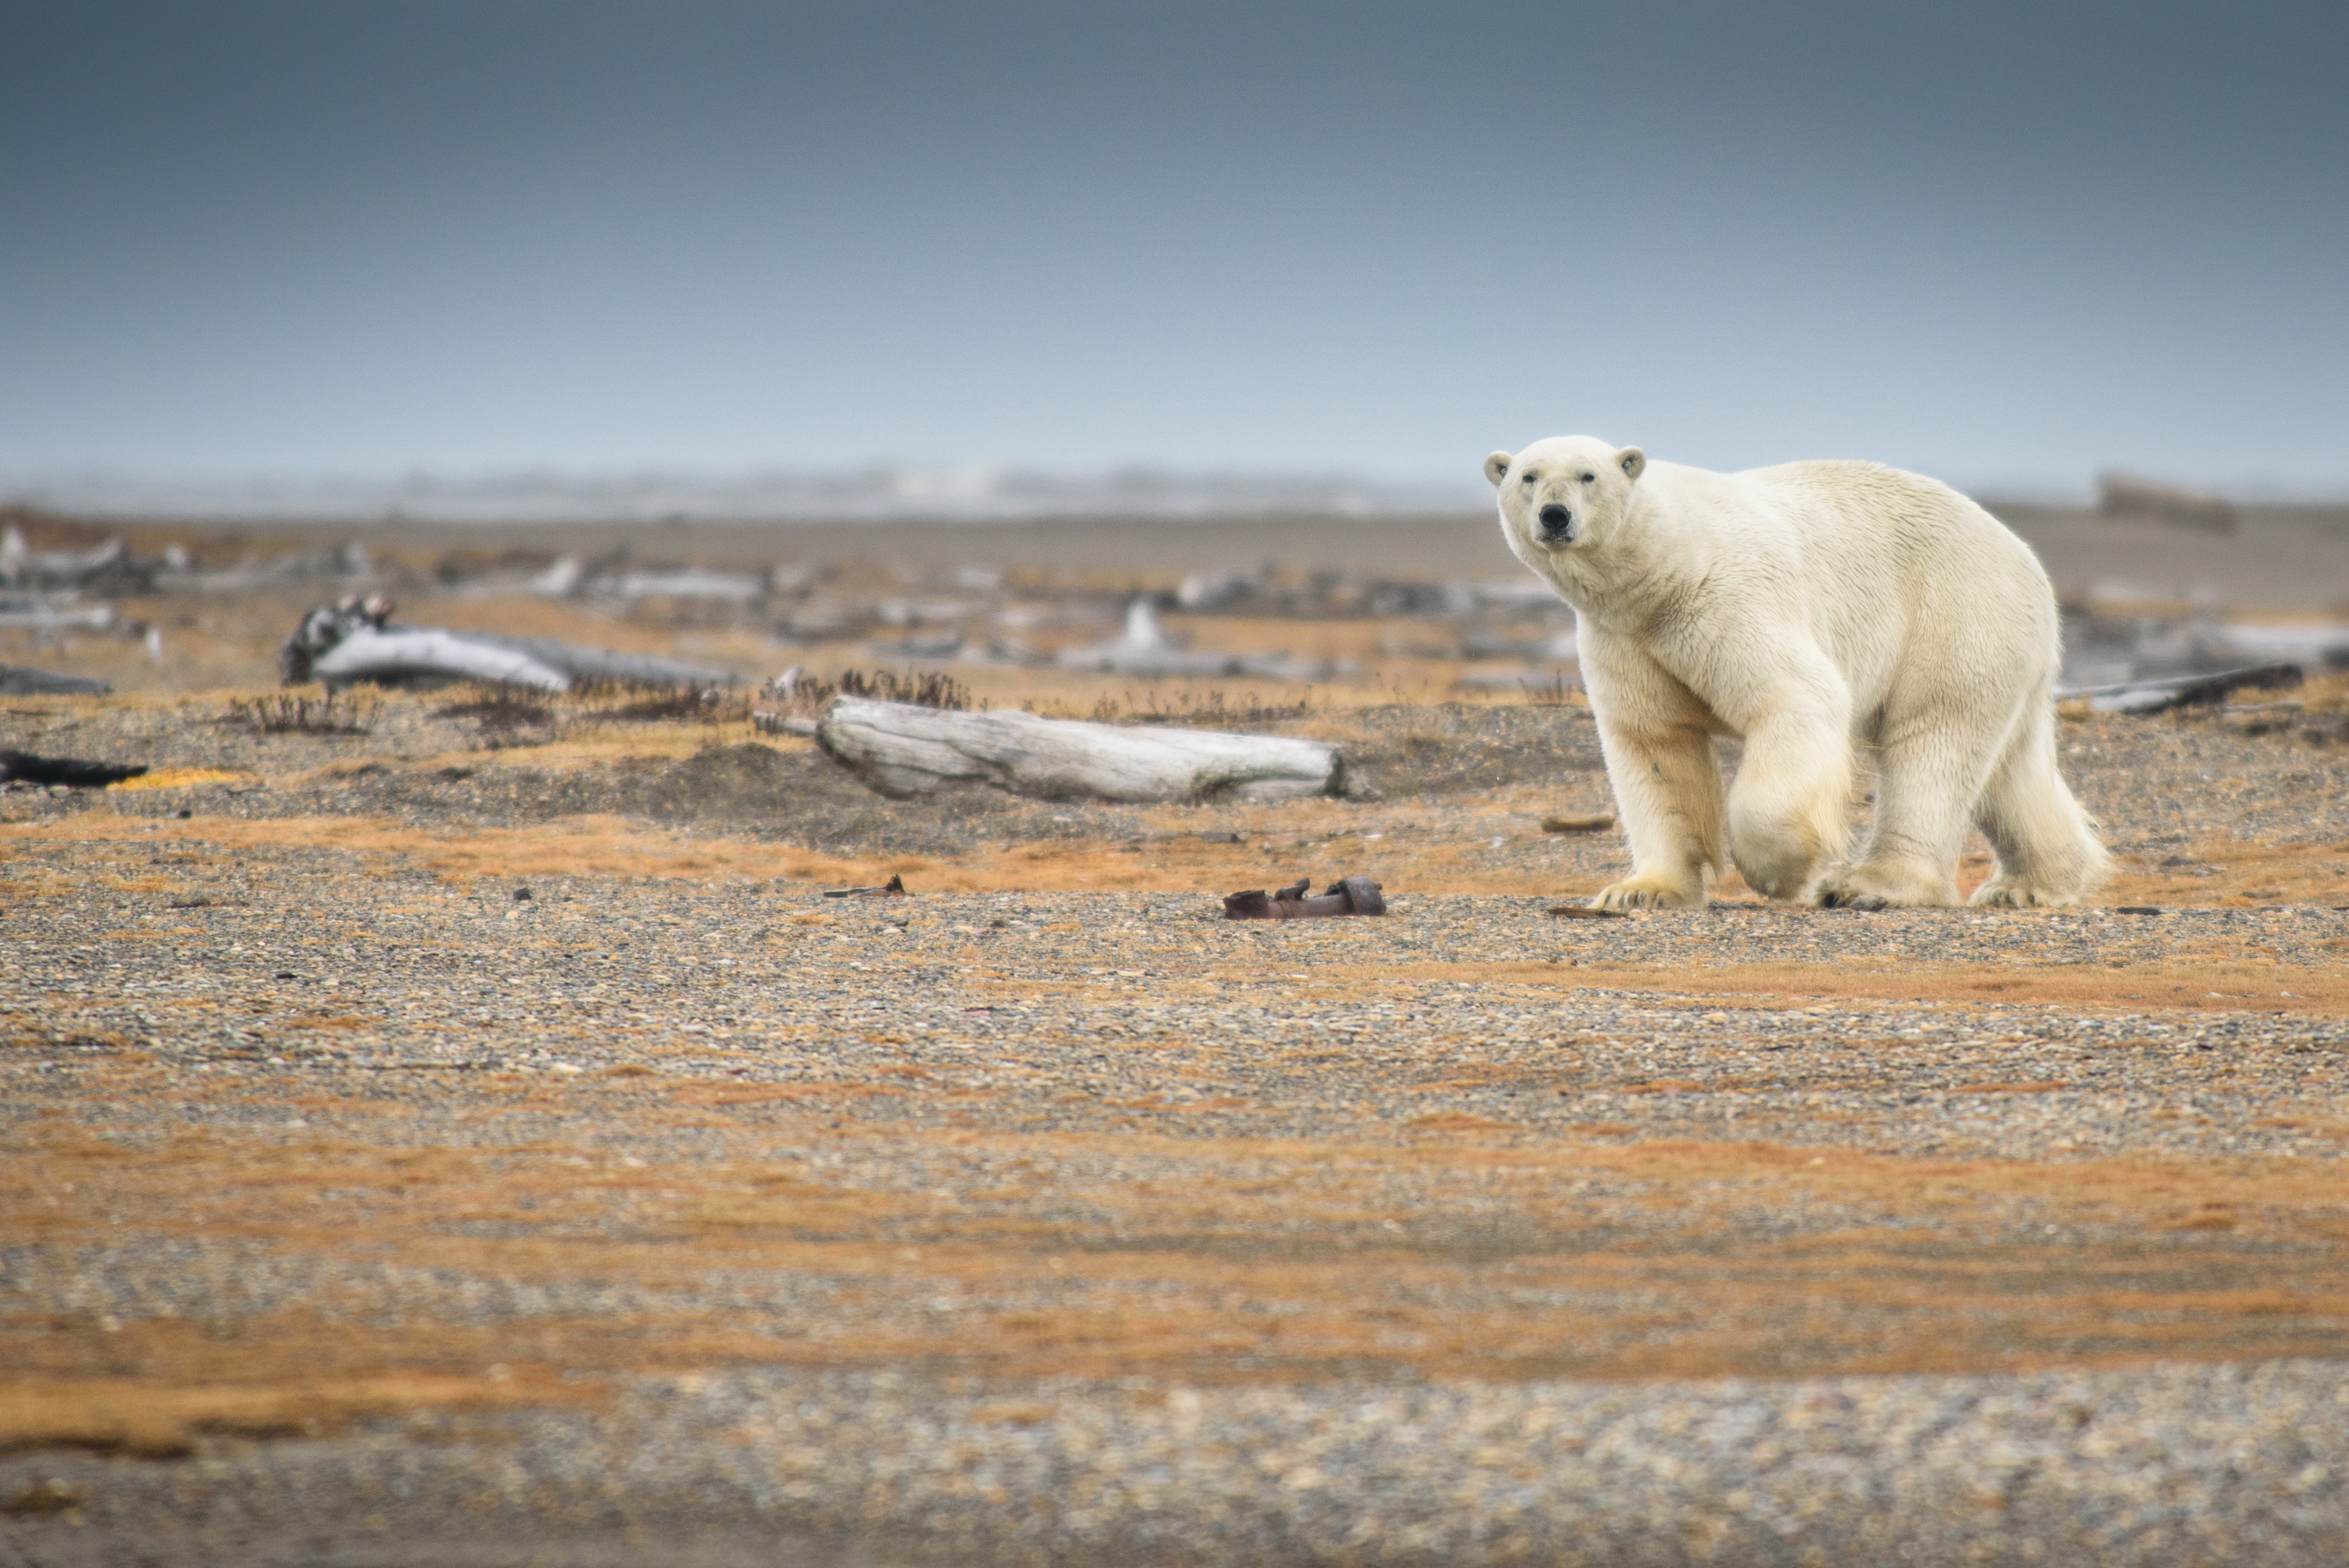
x: 1531, y: 477
x: 1590, y: 478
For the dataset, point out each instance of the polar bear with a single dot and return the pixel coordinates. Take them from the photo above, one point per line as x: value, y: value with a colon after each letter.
x: 1806, y: 609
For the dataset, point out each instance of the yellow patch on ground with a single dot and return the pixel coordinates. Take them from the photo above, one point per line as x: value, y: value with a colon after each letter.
x: 174, y: 1398
x: 2241, y: 872
x: 2205, y: 1260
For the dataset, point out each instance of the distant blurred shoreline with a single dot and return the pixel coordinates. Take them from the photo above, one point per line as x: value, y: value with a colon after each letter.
x: 2141, y: 541
x: 880, y: 494
x: 2292, y: 558
x: 913, y: 494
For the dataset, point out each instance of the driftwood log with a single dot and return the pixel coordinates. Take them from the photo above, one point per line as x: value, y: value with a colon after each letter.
x: 903, y: 751
x: 18, y: 681
x: 412, y: 653
x: 398, y: 655
x: 2159, y: 695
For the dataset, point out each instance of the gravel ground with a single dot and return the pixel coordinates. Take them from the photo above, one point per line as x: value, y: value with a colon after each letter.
x: 360, y: 1210
x: 2166, y: 1468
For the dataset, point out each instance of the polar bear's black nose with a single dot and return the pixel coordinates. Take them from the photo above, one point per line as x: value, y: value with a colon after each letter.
x: 1556, y: 521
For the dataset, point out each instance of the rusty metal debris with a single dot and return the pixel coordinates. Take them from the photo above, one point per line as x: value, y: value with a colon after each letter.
x: 1599, y: 824
x: 1346, y: 896
x: 893, y: 888
x: 1585, y: 912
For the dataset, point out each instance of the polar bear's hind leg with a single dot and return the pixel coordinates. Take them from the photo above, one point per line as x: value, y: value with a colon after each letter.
x: 2047, y: 848
x: 1929, y: 777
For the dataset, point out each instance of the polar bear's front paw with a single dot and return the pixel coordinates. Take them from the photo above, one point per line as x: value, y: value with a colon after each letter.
x: 2014, y: 893
x: 1649, y: 893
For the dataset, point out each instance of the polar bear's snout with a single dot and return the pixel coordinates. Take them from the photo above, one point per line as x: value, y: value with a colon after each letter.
x: 1556, y: 525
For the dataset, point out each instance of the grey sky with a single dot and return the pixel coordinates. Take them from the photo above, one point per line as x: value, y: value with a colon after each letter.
x: 2005, y: 244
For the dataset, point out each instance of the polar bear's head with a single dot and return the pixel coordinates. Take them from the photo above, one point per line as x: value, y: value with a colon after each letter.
x: 1565, y: 494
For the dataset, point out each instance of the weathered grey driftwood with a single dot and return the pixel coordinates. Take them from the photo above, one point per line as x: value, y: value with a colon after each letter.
x: 53, y: 612
x: 398, y: 654
x: 901, y: 750
x: 584, y: 663
x: 18, y: 681
x: 428, y: 652
x: 2156, y: 696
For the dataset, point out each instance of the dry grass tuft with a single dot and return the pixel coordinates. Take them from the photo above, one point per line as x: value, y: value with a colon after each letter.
x: 927, y: 688
x: 298, y: 713
x: 1212, y: 709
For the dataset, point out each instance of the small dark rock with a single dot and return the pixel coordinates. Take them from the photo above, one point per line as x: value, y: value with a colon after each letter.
x: 51, y: 1496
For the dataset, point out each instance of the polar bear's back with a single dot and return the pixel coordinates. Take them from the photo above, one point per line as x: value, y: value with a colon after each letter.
x: 1898, y: 566
x: 1867, y: 507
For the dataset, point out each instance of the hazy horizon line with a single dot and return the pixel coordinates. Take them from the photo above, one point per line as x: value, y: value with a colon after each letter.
x: 880, y: 491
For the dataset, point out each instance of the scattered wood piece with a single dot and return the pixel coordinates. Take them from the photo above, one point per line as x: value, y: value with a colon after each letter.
x: 17, y: 681
x: 20, y: 617
x: 1584, y: 912
x: 350, y: 641
x: 2181, y: 690
x: 24, y: 767
x: 893, y: 888
x: 412, y: 653
x: 901, y: 749
x: 772, y: 723
x: 1599, y: 824
x: 1346, y: 896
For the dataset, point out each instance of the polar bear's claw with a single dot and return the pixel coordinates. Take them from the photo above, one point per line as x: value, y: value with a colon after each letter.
x: 2013, y: 893
x: 1637, y: 893
x: 1886, y: 885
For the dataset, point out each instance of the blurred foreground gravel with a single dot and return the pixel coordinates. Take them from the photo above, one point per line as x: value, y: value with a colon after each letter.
x: 2162, y: 1468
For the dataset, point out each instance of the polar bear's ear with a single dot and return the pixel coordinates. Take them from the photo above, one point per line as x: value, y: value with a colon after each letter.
x: 1633, y: 462
x: 1497, y: 466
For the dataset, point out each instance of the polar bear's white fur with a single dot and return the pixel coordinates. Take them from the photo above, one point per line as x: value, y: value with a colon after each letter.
x: 1806, y: 609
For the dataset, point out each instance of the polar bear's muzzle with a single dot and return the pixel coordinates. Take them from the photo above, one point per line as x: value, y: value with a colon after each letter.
x: 1556, y: 525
